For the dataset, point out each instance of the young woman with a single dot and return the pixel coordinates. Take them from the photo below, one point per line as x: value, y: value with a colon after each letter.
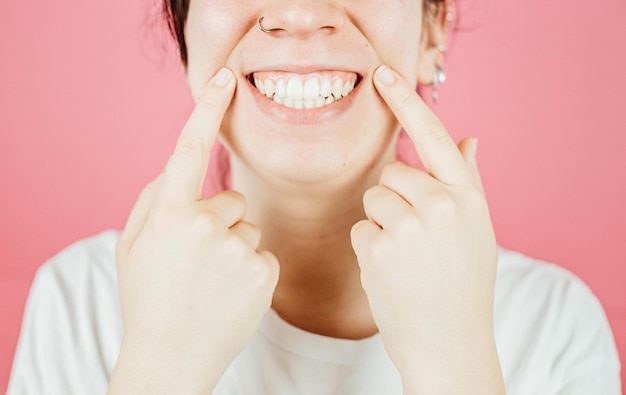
x: 321, y: 265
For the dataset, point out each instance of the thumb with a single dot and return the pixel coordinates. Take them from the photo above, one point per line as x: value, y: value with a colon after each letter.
x: 467, y: 147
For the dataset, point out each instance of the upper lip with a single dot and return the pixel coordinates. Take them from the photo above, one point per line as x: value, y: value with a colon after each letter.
x: 303, y: 69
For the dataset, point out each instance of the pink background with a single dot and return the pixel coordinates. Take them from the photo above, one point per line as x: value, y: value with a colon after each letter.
x: 91, y: 104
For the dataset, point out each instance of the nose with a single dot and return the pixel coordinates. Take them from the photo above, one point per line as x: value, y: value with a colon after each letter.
x: 302, y: 19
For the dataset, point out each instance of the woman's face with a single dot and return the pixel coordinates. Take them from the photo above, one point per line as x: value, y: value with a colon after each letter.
x: 317, y: 51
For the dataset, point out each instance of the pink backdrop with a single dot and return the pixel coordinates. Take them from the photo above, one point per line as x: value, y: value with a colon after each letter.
x: 91, y: 104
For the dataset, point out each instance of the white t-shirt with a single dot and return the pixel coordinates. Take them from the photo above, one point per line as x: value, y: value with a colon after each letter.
x: 551, y: 333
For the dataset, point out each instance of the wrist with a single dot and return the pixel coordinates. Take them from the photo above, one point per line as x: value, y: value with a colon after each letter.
x: 467, y: 370
x: 157, y: 370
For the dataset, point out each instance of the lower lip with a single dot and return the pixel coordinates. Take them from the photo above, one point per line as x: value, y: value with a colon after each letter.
x: 311, y: 116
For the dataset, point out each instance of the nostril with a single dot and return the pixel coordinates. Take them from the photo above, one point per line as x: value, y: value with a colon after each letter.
x: 302, y: 19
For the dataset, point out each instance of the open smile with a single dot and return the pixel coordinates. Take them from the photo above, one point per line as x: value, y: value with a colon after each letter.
x: 305, y: 91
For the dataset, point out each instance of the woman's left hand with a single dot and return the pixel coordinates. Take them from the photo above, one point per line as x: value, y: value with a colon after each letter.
x: 428, y: 257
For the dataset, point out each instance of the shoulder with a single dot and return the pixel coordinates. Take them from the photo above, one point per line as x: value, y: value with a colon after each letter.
x: 94, y: 256
x: 538, y: 284
x: 72, y: 326
x: 550, y: 325
x: 81, y: 273
x: 545, y: 289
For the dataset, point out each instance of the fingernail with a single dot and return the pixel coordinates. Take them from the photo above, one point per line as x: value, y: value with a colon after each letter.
x: 385, y: 75
x: 222, y: 78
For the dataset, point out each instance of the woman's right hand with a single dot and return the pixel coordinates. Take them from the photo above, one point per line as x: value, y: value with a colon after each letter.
x: 192, y: 286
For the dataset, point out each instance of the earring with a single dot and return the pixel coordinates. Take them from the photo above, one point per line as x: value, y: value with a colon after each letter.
x: 449, y: 20
x: 438, y: 79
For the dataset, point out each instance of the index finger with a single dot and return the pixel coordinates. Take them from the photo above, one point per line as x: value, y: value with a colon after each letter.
x: 186, y: 169
x: 435, y: 147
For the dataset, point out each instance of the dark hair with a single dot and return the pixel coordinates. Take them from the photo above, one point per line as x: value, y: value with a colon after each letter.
x: 175, y: 12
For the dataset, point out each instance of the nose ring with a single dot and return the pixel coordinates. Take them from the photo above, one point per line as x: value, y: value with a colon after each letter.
x: 264, y: 30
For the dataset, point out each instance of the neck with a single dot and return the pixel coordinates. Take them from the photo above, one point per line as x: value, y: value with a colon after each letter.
x: 308, y: 228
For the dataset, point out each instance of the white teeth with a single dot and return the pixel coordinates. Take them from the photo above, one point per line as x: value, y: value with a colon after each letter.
x: 326, y: 89
x: 281, y: 88
x: 294, y: 88
x: 344, y: 92
x: 316, y: 92
x: 312, y: 88
x: 259, y: 86
x: 337, y: 88
x: 269, y: 87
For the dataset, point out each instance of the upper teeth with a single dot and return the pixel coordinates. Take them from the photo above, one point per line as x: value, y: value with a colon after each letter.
x: 316, y: 92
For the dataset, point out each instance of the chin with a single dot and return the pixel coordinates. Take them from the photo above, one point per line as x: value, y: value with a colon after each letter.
x: 332, y: 150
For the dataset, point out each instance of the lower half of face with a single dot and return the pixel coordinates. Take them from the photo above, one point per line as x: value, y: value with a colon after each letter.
x: 346, y: 137
x: 305, y: 108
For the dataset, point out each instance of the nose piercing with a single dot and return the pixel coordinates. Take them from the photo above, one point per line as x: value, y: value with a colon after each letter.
x: 264, y: 30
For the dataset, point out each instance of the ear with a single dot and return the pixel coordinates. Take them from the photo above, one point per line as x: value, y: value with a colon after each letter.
x: 435, y: 28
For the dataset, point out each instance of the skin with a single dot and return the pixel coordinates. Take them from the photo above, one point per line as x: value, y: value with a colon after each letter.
x: 363, y: 244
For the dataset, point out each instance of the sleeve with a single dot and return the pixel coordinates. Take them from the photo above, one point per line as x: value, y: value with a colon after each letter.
x: 70, y: 334
x: 586, y: 358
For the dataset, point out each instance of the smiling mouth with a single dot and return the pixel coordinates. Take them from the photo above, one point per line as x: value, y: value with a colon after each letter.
x: 305, y: 91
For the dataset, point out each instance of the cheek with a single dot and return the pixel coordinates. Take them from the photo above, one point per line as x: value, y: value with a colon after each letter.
x: 213, y: 30
x: 394, y: 29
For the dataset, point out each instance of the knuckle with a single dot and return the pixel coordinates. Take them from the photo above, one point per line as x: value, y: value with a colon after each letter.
x: 207, y: 102
x: 161, y: 219
x: 391, y: 170
x: 229, y: 199
x: 208, y: 222
x: 373, y: 194
x: 235, y: 245
x: 235, y: 197
x: 248, y: 228
x: 264, y: 271
x: 408, y: 224
x: 167, y: 222
x: 475, y: 199
x: 442, y: 205
x: 149, y: 192
x: 395, y: 166
x: 256, y: 233
x: 190, y: 146
x: 436, y: 131
x: 358, y: 236
x: 407, y: 97
x: 478, y: 182
x: 381, y: 249
x: 271, y: 263
x: 146, y: 195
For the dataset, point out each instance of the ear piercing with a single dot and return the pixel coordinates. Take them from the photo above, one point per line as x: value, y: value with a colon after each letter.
x: 438, y: 79
x: 449, y: 20
x: 440, y: 76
